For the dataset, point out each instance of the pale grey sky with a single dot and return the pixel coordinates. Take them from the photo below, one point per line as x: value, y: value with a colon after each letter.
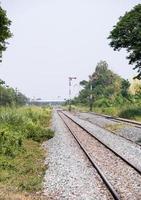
x: 55, y: 39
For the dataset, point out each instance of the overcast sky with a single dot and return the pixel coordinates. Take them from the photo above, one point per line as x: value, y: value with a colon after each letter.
x: 55, y: 39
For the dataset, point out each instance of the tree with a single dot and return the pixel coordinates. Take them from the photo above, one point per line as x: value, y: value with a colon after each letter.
x: 135, y: 88
x: 103, y: 87
x: 83, y: 83
x: 127, y: 34
x: 124, y: 88
x: 4, y: 31
x: 105, y: 82
x: 10, y: 96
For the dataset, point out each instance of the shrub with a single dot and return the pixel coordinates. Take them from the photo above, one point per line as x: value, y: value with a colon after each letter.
x: 22, y: 164
x: 103, y: 102
x: 131, y: 113
x: 21, y: 123
x: 10, y: 142
x: 38, y: 133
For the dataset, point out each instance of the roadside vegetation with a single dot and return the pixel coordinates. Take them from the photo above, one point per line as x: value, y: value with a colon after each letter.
x: 22, y: 130
x: 108, y: 93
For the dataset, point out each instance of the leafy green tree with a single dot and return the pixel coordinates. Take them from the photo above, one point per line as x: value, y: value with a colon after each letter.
x: 105, y: 82
x: 124, y: 88
x: 103, y: 85
x: 83, y: 83
x: 10, y: 96
x: 4, y: 30
x: 21, y: 99
x: 127, y: 34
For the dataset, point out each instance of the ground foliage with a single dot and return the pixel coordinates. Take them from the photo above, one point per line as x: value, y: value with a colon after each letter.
x: 21, y: 157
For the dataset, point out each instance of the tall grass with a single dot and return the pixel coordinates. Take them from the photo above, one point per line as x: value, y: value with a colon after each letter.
x: 21, y: 157
x: 23, y: 123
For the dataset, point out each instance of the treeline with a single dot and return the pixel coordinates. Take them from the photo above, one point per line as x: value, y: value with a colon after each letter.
x: 106, y: 89
x: 10, y: 96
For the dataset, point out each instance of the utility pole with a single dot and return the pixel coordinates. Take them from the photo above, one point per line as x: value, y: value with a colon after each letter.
x: 91, y: 98
x: 91, y: 95
x: 70, y: 80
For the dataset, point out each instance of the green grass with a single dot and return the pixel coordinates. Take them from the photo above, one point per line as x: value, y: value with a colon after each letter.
x: 114, y: 111
x: 24, y: 171
x: 114, y: 127
x: 22, y: 130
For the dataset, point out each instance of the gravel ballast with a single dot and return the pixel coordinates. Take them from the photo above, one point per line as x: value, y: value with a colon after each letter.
x: 70, y: 175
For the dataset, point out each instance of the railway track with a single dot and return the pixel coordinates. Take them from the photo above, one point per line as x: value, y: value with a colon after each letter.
x: 121, y: 177
x: 118, y: 119
x: 133, y: 142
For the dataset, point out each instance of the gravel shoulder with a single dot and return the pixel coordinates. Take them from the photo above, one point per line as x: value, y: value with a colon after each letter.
x: 70, y: 175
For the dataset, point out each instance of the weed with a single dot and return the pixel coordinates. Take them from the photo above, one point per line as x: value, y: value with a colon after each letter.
x: 114, y: 127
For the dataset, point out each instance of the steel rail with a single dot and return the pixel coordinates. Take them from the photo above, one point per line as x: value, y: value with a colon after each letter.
x: 101, y: 174
x: 133, y: 142
x: 113, y: 118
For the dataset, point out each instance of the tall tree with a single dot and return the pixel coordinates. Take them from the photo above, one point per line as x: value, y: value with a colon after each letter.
x: 105, y: 82
x: 4, y: 31
x: 103, y: 85
x: 127, y: 34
